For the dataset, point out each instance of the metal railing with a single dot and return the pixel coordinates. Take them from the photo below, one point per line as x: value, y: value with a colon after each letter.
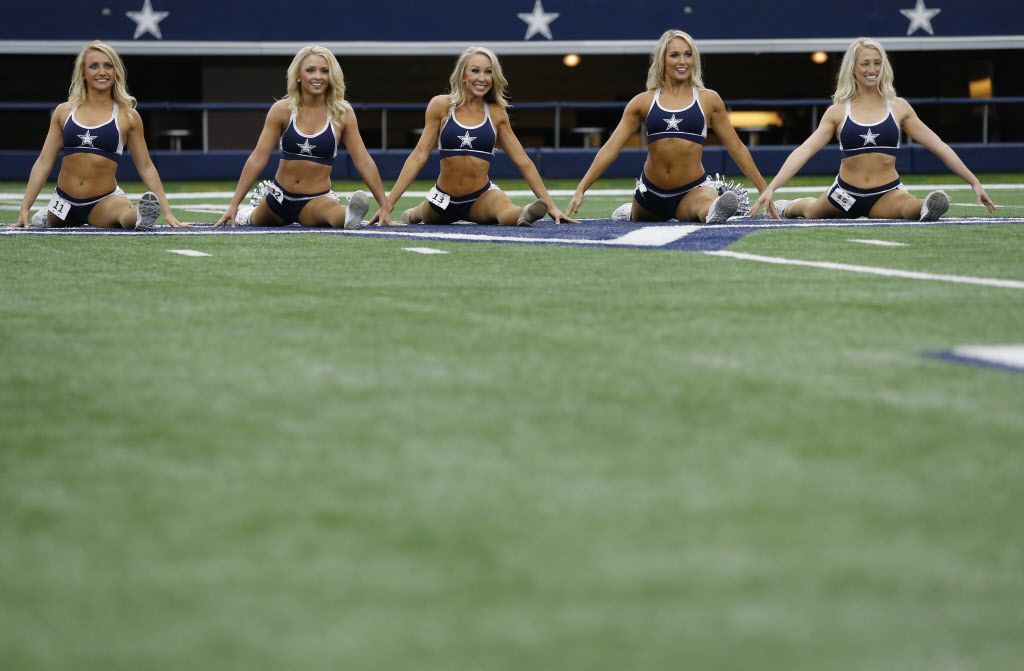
x: 557, y: 107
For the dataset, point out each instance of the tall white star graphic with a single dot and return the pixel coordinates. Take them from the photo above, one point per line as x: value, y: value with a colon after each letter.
x: 467, y: 141
x: 147, y: 21
x: 673, y: 122
x: 87, y: 139
x: 538, y: 21
x: 869, y: 138
x: 306, y: 148
x: 920, y: 17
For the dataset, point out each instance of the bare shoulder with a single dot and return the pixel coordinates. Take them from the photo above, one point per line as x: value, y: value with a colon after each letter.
x: 498, y: 113
x: 278, y: 115
x: 835, y: 113
x: 641, y: 101
x: 61, y: 112
x: 902, y: 108
x: 279, y: 110
x: 348, y: 113
x: 710, y: 97
x: 439, y: 104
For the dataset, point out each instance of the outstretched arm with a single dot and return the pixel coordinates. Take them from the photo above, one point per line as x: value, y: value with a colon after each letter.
x: 928, y: 139
x: 821, y: 136
x: 364, y: 164
x: 437, y: 110
x: 144, y: 165
x: 722, y: 126
x: 631, y: 118
x: 510, y: 143
x: 41, y: 168
x: 277, y: 119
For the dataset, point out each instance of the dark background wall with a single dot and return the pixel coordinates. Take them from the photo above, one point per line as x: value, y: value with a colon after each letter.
x: 532, y: 78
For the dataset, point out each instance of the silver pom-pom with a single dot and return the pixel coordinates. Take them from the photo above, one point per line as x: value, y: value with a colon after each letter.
x: 743, y: 209
x: 258, y: 191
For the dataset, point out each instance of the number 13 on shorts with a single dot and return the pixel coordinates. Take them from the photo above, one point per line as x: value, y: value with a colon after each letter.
x: 439, y: 198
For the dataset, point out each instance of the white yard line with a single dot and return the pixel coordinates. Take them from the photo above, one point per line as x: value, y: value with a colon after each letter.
x: 879, y: 243
x: 869, y: 270
x: 424, y: 250
x: 188, y: 252
x: 1011, y: 356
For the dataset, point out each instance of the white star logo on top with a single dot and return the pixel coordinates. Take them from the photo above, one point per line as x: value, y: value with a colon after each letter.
x: 306, y: 149
x: 920, y: 17
x: 467, y: 141
x: 147, y: 21
x: 538, y: 21
x: 87, y: 139
x: 869, y: 138
x: 672, y: 122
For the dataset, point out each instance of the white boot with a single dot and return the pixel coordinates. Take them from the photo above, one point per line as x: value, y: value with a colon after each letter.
x: 623, y: 212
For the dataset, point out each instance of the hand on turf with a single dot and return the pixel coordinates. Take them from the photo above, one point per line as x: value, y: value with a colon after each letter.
x: 230, y: 215
x: 765, y: 199
x: 383, y: 216
x: 982, y: 197
x: 172, y: 220
x: 574, y: 204
x: 561, y: 217
x: 22, y: 221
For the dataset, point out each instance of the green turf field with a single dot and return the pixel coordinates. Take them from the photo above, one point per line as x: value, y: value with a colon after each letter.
x: 324, y: 452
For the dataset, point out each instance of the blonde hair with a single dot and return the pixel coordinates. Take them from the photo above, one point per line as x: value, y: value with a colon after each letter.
x: 457, y: 84
x: 846, y: 83
x: 656, y: 73
x: 334, y: 96
x: 78, y: 92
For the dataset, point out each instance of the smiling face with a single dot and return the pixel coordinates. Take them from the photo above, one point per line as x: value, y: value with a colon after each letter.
x: 314, y: 75
x: 99, y: 72
x: 867, y: 68
x: 478, y: 75
x: 678, y: 61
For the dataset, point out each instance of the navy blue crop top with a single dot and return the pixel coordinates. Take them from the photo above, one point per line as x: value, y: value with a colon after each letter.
x: 321, y: 147
x: 458, y: 140
x: 882, y: 136
x: 687, y: 124
x: 103, y: 140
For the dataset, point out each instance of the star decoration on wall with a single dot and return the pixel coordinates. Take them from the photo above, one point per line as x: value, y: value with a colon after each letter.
x: 147, y: 21
x: 306, y: 149
x: 672, y: 123
x: 869, y: 138
x: 920, y: 17
x: 467, y: 141
x: 87, y: 139
x: 538, y: 21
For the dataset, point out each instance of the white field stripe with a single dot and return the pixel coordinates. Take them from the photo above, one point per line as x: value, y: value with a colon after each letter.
x: 1004, y: 355
x: 424, y: 250
x: 205, y: 228
x: 880, y: 243
x: 525, y: 193
x: 869, y: 270
x: 650, y: 236
x: 188, y: 252
x: 654, y: 236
